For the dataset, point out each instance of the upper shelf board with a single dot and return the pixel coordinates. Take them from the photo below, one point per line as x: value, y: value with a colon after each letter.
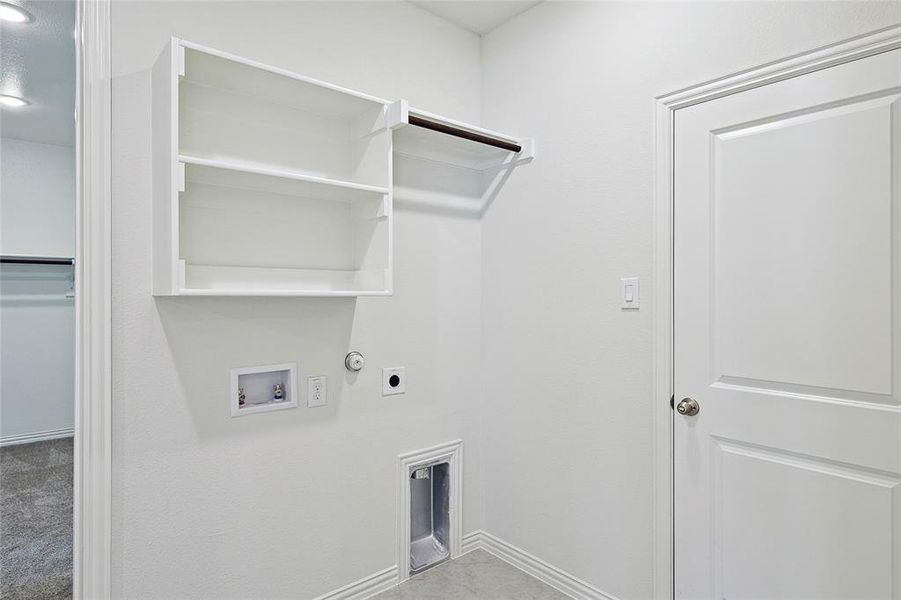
x: 256, y: 81
x: 423, y: 142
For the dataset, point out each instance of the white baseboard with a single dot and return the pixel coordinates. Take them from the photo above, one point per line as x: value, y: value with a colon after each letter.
x: 471, y: 541
x: 556, y: 578
x: 479, y: 540
x: 38, y: 436
x: 365, y: 588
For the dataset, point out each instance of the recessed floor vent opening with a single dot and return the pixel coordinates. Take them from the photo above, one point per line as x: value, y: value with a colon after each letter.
x: 429, y: 516
x: 430, y: 500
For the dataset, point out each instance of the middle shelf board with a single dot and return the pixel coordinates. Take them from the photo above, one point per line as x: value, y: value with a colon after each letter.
x: 249, y: 176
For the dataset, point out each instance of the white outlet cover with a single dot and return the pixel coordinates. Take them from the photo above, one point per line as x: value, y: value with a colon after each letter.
x: 387, y: 379
x: 317, y: 391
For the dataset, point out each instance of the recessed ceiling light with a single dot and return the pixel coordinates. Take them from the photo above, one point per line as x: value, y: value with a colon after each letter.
x: 12, y: 101
x: 13, y: 14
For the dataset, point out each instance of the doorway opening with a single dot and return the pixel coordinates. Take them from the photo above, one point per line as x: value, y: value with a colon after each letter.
x: 37, y: 298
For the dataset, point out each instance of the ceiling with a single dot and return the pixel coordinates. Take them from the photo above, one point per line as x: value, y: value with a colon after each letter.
x: 37, y: 62
x: 478, y: 16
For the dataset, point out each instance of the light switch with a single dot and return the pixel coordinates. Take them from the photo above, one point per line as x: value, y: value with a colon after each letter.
x: 630, y: 297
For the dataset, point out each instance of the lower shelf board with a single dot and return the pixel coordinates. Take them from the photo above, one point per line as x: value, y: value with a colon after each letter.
x: 210, y: 280
x: 284, y: 293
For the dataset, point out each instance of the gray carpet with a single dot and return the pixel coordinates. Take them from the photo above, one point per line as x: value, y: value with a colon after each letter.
x: 36, y: 520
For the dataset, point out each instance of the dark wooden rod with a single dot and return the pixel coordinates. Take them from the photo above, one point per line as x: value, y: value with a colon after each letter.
x: 462, y: 133
x: 35, y: 260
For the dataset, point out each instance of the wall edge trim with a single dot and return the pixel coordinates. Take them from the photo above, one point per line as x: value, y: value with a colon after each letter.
x: 823, y: 57
x: 92, y: 477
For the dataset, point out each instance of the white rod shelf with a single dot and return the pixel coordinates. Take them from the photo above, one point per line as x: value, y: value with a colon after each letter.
x: 425, y: 135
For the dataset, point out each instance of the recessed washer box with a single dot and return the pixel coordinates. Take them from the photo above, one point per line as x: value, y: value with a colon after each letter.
x: 261, y: 387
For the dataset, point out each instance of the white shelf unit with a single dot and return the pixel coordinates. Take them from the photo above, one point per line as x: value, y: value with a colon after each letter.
x: 266, y: 183
x: 437, y: 163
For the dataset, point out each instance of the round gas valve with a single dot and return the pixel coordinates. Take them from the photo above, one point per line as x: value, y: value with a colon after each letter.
x: 354, y: 361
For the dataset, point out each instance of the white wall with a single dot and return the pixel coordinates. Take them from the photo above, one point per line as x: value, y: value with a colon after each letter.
x: 37, y: 199
x: 37, y: 352
x: 37, y: 326
x: 296, y: 503
x: 567, y: 463
x: 299, y: 502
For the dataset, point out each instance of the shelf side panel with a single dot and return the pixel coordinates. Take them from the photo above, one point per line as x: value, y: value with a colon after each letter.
x: 370, y: 235
x: 371, y: 148
x: 164, y: 111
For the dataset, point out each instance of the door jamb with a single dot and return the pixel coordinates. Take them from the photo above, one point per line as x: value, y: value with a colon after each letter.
x: 882, y: 40
x: 91, y: 527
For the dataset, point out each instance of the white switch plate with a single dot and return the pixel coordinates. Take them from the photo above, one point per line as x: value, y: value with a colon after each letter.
x: 391, y: 386
x: 630, y: 293
x: 317, y: 391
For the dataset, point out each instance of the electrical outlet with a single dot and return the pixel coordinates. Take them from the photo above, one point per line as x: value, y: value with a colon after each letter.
x: 317, y: 391
x: 394, y: 381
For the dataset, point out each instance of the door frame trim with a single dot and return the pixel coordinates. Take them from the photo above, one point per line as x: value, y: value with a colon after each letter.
x: 877, y: 42
x: 92, y: 512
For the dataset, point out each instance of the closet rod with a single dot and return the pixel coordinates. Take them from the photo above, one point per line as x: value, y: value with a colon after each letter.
x: 462, y: 133
x: 35, y: 260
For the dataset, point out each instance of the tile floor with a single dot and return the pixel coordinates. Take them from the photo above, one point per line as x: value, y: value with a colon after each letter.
x: 474, y: 576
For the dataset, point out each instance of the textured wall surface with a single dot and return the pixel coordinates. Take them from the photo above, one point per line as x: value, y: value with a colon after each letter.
x: 299, y: 502
x: 567, y: 455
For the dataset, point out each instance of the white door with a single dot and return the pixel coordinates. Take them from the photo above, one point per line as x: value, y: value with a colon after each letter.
x: 787, y: 322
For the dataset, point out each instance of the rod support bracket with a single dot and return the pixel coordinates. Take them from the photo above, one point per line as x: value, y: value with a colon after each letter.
x: 398, y: 114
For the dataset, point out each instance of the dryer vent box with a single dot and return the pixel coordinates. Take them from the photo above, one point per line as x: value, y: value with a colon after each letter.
x: 429, y: 516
